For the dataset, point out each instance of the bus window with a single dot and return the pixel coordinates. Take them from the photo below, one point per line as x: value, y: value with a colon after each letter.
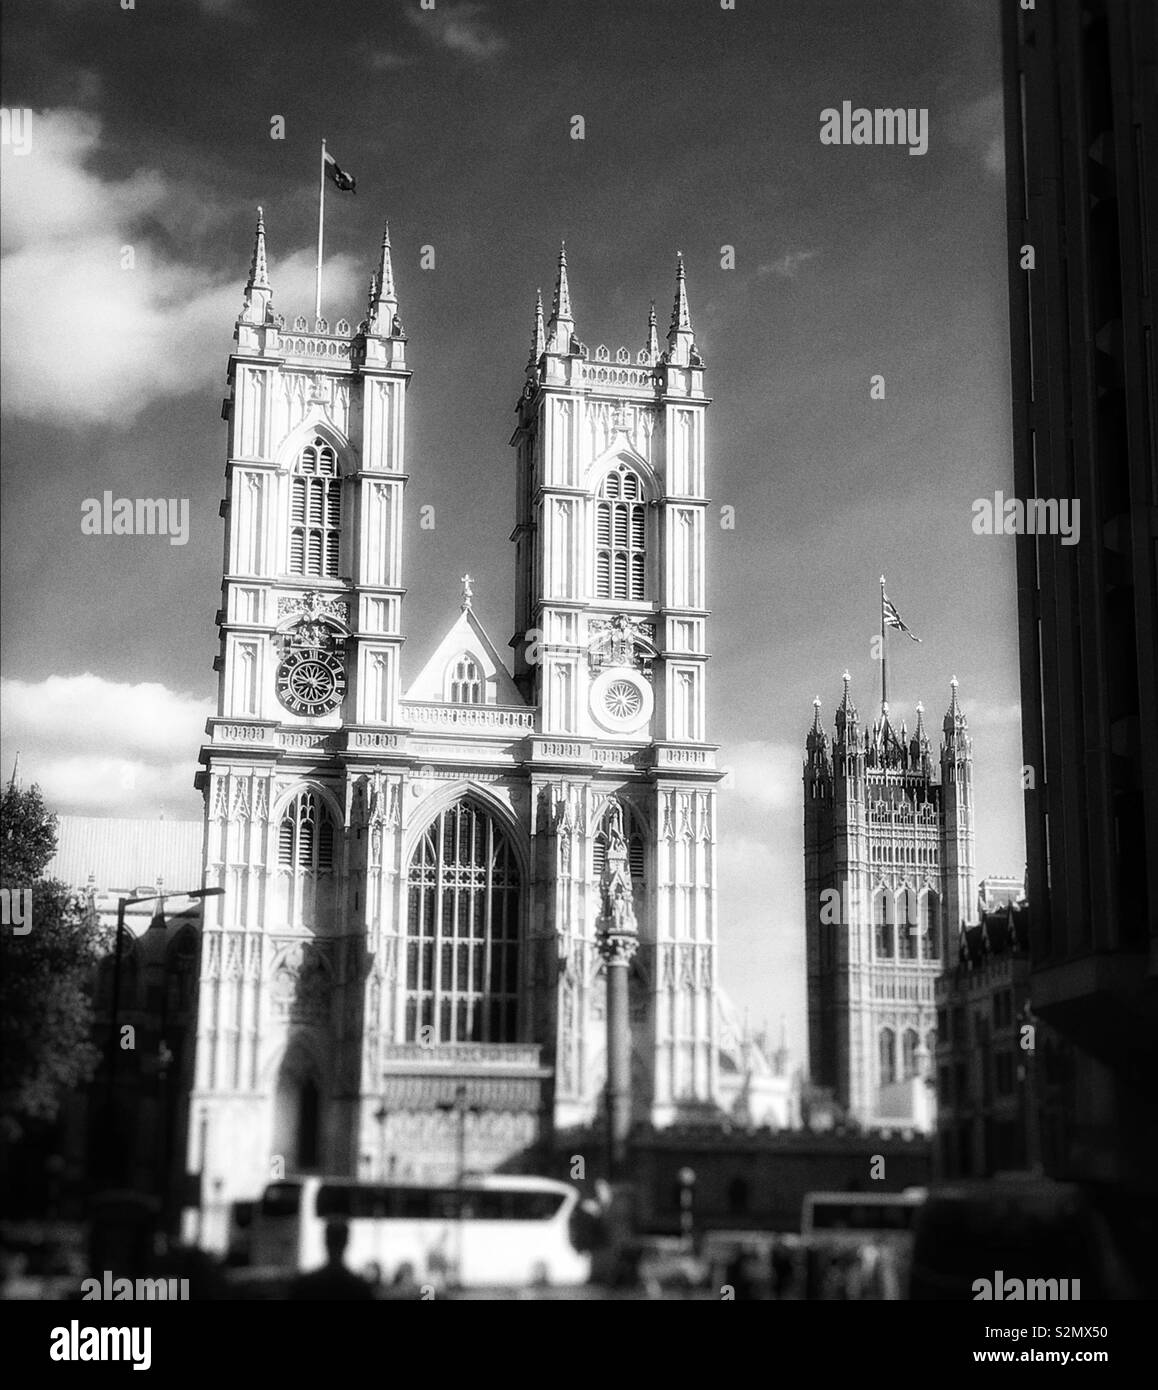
x: 496, y: 1204
x: 357, y: 1202
x: 534, y: 1206
x: 282, y: 1199
x: 415, y: 1203
x: 863, y: 1216
x: 333, y: 1203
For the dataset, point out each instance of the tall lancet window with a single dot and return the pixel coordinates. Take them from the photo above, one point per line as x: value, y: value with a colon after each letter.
x: 620, y: 536
x: 305, y: 857
x: 316, y: 512
x: 462, y: 947
x: 908, y: 924
x: 888, y: 1056
x: 883, y: 915
x: 931, y: 925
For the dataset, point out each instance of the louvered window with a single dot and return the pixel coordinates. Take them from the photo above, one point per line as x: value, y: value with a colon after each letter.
x: 306, y: 836
x: 620, y: 537
x: 316, y: 512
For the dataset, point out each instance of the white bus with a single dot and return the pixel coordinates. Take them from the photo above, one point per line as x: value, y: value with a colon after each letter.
x: 496, y: 1230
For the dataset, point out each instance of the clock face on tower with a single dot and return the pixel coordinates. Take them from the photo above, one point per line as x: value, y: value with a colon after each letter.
x: 621, y: 700
x: 311, y: 681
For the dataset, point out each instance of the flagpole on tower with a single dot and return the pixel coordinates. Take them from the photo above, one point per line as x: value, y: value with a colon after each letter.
x: 884, y: 653
x: 321, y: 214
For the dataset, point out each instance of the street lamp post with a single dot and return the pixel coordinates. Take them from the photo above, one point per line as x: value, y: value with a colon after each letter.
x: 687, y: 1181
x: 458, y: 1106
x: 381, y: 1115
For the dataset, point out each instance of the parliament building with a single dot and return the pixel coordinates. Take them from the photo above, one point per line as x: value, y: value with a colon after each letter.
x: 889, y: 890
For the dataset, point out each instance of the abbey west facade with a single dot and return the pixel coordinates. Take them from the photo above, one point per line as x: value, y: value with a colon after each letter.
x: 889, y: 886
x: 406, y: 943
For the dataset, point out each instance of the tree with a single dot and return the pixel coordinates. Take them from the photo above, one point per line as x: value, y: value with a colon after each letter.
x: 46, y: 1016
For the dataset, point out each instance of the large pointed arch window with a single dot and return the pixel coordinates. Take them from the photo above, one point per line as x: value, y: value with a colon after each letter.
x: 462, y: 948
x: 315, y: 512
x: 620, y: 536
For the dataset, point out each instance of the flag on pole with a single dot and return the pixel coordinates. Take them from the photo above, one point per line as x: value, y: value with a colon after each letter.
x: 892, y: 618
x: 338, y: 175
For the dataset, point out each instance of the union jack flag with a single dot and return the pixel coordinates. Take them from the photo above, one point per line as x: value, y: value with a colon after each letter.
x: 893, y: 618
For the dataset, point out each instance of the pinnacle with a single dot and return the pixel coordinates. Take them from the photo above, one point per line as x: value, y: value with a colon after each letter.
x: 681, y: 320
x: 258, y: 269
x: 561, y: 305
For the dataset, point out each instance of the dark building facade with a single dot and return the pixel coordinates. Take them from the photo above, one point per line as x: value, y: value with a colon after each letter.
x: 1005, y: 1080
x: 1082, y: 180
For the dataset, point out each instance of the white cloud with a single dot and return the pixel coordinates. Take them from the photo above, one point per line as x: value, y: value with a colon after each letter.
x: 86, y: 341
x: 761, y: 773
x: 462, y: 28
x: 788, y: 264
x: 988, y: 713
x: 978, y: 125
x: 101, y: 747
x: 385, y: 60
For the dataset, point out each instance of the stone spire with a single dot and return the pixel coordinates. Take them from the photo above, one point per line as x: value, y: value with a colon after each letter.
x: 679, y: 336
x: 538, y: 337
x: 956, y: 727
x: 382, y: 318
x: 816, y: 743
x: 371, y: 300
x: 780, y: 1056
x: 846, y: 716
x: 257, y: 306
x: 652, y: 335
x: 919, y: 747
x: 562, y: 323
x: 955, y: 721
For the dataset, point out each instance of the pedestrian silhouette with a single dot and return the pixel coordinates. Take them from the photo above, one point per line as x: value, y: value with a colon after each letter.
x: 333, y: 1282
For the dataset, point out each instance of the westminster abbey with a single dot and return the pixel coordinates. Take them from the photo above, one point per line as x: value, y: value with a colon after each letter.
x: 406, y: 939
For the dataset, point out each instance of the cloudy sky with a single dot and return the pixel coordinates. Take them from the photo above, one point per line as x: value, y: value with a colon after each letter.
x: 150, y: 130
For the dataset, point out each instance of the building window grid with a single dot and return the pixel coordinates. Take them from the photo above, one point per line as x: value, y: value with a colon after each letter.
x: 462, y: 933
x: 316, y: 512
